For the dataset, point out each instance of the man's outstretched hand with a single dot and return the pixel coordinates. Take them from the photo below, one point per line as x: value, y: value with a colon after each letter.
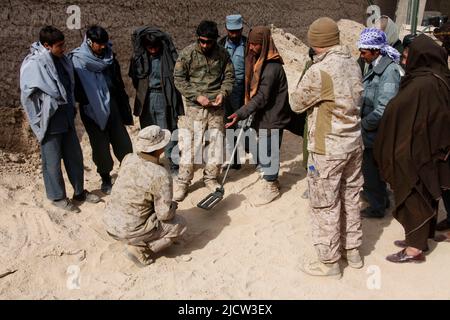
x: 218, y: 101
x: 203, y: 101
x: 234, y: 118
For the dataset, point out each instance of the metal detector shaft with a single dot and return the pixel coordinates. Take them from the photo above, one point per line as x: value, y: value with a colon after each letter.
x: 249, y: 119
x: 213, y: 198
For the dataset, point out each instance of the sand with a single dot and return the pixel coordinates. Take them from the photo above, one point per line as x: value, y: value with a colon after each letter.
x: 235, y: 251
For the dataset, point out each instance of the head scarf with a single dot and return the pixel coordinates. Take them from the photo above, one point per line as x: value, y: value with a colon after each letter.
x: 426, y: 57
x: 141, y: 67
x: 372, y: 38
x: 384, y: 23
x: 89, y: 69
x: 253, y: 66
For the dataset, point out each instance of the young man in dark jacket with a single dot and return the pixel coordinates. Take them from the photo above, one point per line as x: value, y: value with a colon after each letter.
x: 104, y: 105
x: 266, y: 96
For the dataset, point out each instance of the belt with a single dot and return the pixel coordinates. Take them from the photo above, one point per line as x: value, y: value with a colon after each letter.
x: 155, y: 90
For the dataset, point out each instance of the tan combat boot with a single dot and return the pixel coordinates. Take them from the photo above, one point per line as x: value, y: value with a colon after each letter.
x: 320, y: 269
x: 212, y: 185
x: 354, y: 258
x: 140, y: 256
x: 180, y: 191
x: 270, y: 191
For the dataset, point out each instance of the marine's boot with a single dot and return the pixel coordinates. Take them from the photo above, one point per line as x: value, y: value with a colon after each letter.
x: 139, y: 255
x: 270, y: 191
x: 180, y: 191
x: 212, y: 185
x: 320, y: 269
x: 354, y: 258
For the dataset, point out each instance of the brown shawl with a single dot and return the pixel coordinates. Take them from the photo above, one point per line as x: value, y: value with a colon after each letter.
x: 414, y: 134
x: 253, y: 66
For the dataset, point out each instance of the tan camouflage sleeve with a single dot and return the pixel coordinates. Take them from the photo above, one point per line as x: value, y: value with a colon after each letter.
x: 164, y: 206
x: 308, y: 91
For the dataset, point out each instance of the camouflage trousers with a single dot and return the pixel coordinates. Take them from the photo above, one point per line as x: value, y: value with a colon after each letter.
x: 160, y: 237
x: 334, y: 185
x: 200, y: 139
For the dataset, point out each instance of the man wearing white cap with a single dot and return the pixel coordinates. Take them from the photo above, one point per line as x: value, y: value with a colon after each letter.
x: 235, y: 44
x: 140, y: 211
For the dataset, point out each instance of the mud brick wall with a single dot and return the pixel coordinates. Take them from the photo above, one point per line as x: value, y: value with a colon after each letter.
x: 21, y: 20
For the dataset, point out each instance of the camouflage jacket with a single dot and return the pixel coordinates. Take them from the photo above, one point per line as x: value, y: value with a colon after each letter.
x: 331, y: 92
x: 140, y: 197
x: 196, y: 75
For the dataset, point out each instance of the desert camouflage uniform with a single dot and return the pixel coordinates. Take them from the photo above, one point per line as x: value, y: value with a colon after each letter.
x: 140, y: 210
x: 331, y: 93
x: 196, y: 75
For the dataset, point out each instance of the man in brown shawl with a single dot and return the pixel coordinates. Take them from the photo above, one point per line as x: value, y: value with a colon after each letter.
x: 266, y: 96
x: 413, y: 145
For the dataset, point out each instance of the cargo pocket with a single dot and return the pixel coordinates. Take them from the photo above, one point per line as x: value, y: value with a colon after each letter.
x: 320, y: 193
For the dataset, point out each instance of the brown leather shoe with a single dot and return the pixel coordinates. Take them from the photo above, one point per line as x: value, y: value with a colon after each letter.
x: 443, y: 225
x: 402, y: 257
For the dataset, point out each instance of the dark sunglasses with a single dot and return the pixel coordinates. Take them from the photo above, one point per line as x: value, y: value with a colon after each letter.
x: 203, y: 41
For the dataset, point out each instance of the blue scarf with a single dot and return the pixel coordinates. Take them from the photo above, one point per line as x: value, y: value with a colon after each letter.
x: 90, y: 69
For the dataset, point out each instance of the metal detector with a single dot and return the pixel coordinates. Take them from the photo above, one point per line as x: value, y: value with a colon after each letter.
x: 213, y: 198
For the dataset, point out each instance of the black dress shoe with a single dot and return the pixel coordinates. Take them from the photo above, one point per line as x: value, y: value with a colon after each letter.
x: 443, y: 225
x: 106, y: 186
x: 402, y: 257
x: 66, y: 205
x: 86, y: 196
x: 370, y: 213
x: 442, y: 238
x: 402, y: 244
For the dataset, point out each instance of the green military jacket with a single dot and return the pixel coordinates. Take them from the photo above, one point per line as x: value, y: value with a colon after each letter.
x: 196, y: 75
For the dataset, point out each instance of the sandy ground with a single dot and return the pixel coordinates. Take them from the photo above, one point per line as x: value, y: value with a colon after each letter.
x: 235, y: 251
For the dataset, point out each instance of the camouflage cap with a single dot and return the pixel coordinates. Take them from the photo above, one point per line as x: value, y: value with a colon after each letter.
x: 152, y: 138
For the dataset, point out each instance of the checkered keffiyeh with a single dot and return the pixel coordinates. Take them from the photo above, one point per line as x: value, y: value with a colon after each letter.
x: 372, y: 38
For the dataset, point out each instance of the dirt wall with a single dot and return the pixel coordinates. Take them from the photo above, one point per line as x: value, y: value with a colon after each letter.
x: 21, y: 20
